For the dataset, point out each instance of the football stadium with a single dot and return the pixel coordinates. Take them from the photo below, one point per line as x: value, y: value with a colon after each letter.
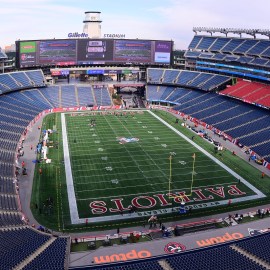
x: 115, y: 156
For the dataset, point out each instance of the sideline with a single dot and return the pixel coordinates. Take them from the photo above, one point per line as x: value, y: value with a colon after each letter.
x: 74, y: 216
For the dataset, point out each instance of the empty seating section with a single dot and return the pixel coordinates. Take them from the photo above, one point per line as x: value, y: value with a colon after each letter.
x: 11, y: 128
x: 259, y: 48
x: 106, y: 98
x: 68, y: 97
x: 252, y: 92
x: 52, y: 257
x: 9, y: 136
x: 231, y: 58
x: 191, y: 54
x: 8, y: 202
x: 266, y: 53
x: 219, y: 56
x: 9, y: 219
x: 245, y: 59
x: 4, y: 88
x: 242, y: 127
x: 170, y: 75
x: 166, y: 93
x: 155, y: 75
x: 245, y: 46
x: 173, y: 95
x: 218, y: 44
x: 102, y: 96
x: 259, y: 96
x: 205, y: 43
x: 7, y: 156
x: 176, y: 93
x: 186, y: 76
x: 154, y: 93
x: 37, y: 77
x: 52, y: 93
x: 239, y: 120
x: 26, y: 107
x: 259, y: 62
x: 262, y: 148
x: 7, y: 145
x: 145, y: 265
x: 206, y: 55
x: 186, y: 95
x: 265, y: 101
x: 243, y: 50
x: 256, y: 138
x: 21, y: 80
x: 231, y: 45
x: 8, y: 81
x: 213, y: 82
x: 204, y: 81
x: 200, y: 79
x: 218, y: 258
x: 6, y: 185
x: 195, y: 42
x: 36, y: 96
x: 258, y: 246
x: 85, y: 96
x: 17, y: 244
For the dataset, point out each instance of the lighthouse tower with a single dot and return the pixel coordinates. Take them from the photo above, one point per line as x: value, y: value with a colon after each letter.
x: 92, y: 24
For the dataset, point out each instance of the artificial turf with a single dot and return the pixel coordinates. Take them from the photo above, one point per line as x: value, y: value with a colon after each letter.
x: 103, y: 170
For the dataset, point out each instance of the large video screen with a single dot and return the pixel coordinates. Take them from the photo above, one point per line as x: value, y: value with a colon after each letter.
x: 66, y: 52
x: 132, y: 51
x: 94, y: 51
x: 57, y: 52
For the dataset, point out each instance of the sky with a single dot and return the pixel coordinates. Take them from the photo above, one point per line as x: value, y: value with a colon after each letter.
x: 143, y: 19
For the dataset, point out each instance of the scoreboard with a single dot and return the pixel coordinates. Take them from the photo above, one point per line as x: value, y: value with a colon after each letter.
x: 67, y: 52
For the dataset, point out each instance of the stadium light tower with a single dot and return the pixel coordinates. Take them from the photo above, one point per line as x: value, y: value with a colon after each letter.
x: 92, y: 24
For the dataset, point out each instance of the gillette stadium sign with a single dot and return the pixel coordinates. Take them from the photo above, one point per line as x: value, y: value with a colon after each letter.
x: 114, y: 36
x: 77, y: 35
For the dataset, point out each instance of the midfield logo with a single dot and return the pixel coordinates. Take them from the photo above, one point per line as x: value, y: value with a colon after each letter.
x: 123, y: 140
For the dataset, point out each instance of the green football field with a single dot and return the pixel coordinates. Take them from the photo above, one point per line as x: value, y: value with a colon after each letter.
x: 129, y: 164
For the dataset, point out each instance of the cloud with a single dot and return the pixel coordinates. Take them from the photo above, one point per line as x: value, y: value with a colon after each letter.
x: 179, y: 17
x: 145, y: 19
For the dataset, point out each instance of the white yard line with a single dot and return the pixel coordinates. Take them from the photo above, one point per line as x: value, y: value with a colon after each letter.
x: 73, y: 209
